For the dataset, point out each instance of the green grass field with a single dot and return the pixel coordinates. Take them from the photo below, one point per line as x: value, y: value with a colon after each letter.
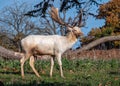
x: 77, y: 72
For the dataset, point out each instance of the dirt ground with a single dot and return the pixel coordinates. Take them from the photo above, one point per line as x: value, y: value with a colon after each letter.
x: 94, y: 54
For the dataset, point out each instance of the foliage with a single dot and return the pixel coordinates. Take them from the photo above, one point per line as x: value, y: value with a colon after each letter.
x: 78, y: 72
x: 111, y: 13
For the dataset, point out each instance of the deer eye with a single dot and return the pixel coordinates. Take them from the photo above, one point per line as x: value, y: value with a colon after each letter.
x: 74, y: 30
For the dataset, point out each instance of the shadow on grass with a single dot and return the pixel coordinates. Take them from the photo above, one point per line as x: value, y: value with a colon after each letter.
x: 114, y: 73
x: 12, y: 72
x: 1, y: 83
x: 7, y: 72
x: 43, y: 83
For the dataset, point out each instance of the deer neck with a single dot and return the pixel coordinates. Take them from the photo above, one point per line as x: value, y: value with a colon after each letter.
x: 71, y: 37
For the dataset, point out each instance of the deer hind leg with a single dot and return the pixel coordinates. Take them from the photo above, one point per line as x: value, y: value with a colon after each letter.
x: 22, y: 61
x: 31, y: 62
x: 52, y: 65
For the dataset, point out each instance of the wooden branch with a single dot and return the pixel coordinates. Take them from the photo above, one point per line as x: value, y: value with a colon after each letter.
x: 99, y: 41
x: 9, y: 54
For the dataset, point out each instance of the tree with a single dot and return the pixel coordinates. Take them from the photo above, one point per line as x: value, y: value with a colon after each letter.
x: 42, y: 10
x: 111, y: 13
x: 14, y: 25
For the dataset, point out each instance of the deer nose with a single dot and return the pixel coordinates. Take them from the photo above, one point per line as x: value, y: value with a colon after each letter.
x: 81, y: 34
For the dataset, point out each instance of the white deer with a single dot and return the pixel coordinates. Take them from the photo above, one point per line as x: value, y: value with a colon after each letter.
x: 53, y: 45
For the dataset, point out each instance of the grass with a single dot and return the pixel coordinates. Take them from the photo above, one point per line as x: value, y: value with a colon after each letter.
x: 77, y: 72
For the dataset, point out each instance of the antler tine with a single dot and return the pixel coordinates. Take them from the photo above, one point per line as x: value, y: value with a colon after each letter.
x: 78, y: 19
x: 55, y: 16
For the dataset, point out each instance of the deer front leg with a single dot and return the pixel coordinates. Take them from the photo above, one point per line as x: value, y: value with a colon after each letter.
x: 52, y: 65
x: 31, y: 62
x: 60, y: 64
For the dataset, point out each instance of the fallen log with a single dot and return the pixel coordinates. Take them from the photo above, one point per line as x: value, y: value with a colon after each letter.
x: 9, y: 54
x: 99, y: 41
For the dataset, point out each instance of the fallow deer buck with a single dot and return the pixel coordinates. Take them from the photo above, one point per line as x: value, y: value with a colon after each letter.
x: 53, y: 45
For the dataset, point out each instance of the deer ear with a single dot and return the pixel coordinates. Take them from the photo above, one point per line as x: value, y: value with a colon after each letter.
x: 69, y: 28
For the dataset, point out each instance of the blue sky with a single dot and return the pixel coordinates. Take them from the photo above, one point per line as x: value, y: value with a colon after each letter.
x: 4, y: 3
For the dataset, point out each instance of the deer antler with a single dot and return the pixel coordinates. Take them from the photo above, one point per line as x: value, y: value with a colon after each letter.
x: 78, y: 19
x: 55, y: 16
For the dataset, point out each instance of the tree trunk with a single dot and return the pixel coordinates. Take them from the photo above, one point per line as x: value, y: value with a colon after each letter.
x: 9, y: 54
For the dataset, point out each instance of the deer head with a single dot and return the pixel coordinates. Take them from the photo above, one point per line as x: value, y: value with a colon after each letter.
x: 75, y: 27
